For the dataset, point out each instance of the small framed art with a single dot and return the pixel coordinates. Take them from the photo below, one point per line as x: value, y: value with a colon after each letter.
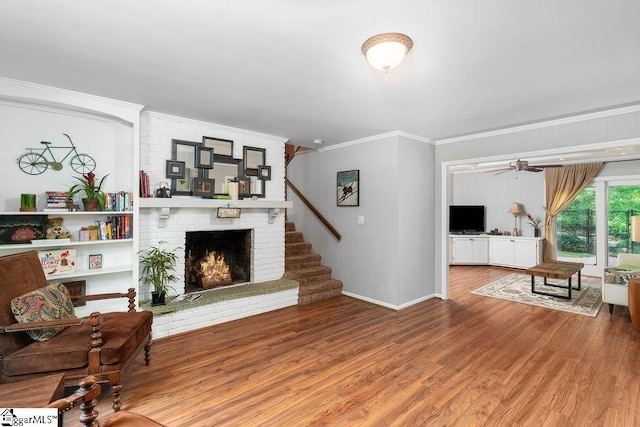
x: 203, y: 187
x: 228, y: 212
x: 175, y: 169
x: 348, y: 187
x: 95, y: 261
x: 204, y: 157
x: 264, y: 172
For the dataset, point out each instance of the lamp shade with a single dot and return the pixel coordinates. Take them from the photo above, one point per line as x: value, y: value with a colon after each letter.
x: 635, y: 228
x: 385, y: 51
x: 516, y: 209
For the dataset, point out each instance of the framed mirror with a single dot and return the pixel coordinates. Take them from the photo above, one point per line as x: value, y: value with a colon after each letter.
x: 204, y: 157
x: 224, y: 170
x: 184, y: 151
x: 255, y: 186
x: 221, y: 147
x: 253, y: 157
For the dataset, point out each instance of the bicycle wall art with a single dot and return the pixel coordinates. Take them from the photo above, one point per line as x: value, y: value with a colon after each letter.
x: 37, y: 160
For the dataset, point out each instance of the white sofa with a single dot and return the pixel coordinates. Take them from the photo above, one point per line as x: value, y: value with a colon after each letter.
x: 616, y: 279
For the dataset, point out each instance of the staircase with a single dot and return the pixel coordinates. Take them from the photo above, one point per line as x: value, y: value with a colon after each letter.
x: 303, y: 266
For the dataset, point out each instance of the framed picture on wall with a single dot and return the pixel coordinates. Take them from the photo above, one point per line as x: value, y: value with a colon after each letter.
x: 348, y: 186
x: 95, y: 261
x: 203, y: 187
x: 175, y: 169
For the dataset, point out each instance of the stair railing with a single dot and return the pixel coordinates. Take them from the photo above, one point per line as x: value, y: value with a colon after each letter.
x: 313, y: 209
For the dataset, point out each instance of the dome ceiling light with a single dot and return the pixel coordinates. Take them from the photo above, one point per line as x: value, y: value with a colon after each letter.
x: 385, y: 51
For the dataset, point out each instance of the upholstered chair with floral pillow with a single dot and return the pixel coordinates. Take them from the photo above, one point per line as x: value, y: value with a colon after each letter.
x: 40, y: 335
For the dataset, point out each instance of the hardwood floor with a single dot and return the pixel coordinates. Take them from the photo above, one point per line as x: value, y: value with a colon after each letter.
x: 471, y: 360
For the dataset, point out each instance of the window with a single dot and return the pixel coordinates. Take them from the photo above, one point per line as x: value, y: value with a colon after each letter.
x: 623, y: 202
x: 576, y: 229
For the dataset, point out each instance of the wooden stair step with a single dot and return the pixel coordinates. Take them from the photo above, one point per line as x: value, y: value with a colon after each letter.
x: 293, y: 249
x: 293, y: 237
x: 319, y: 291
x: 297, y: 262
x: 319, y: 286
x: 302, y: 265
x: 311, y: 274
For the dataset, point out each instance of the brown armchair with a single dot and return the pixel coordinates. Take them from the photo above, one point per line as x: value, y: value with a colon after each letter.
x: 102, y: 344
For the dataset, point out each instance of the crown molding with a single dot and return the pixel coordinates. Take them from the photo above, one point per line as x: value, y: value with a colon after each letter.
x: 543, y: 124
x: 21, y: 91
x: 392, y: 134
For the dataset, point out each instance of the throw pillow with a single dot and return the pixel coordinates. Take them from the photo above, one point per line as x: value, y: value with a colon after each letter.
x: 22, y: 228
x: 48, y: 303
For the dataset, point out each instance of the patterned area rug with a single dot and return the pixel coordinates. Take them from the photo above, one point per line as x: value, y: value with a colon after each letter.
x: 517, y: 288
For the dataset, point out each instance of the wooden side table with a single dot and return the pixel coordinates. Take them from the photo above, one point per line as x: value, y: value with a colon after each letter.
x: 634, y: 303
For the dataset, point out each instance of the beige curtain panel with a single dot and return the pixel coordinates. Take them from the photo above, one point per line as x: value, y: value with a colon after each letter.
x: 562, y: 186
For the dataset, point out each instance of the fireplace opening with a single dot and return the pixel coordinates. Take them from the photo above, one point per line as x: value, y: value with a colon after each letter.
x: 215, y: 259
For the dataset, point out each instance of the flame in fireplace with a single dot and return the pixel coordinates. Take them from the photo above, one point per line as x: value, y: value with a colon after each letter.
x: 214, y: 271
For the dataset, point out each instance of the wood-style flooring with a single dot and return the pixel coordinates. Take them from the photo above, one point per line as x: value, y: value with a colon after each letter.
x: 467, y: 361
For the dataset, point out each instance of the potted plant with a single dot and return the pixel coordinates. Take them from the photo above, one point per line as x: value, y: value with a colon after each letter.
x: 158, y: 270
x: 95, y: 197
x: 535, y: 223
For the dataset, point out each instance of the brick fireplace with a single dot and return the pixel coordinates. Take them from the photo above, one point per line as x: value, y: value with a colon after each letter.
x: 214, y: 259
x: 170, y: 220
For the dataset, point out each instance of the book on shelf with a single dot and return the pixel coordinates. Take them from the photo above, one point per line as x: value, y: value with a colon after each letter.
x: 145, y: 191
x: 121, y: 201
x: 56, y: 262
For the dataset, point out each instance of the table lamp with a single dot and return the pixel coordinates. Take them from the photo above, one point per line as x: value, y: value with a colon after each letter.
x: 515, y: 209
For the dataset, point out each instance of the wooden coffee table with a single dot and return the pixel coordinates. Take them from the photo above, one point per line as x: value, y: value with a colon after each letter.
x: 555, y: 270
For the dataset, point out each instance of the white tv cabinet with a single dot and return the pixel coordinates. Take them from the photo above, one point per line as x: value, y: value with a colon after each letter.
x: 505, y: 251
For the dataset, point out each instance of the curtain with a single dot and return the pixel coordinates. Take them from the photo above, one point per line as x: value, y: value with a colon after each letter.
x: 562, y: 186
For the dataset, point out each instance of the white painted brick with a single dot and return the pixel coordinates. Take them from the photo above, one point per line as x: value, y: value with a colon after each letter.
x: 157, y: 131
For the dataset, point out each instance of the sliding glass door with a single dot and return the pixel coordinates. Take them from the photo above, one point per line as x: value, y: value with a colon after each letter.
x: 623, y: 202
x: 596, y: 227
x: 576, y: 230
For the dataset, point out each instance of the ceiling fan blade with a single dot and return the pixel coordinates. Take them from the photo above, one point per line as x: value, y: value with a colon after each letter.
x: 499, y: 171
x: 547, y: 166
x: 532, y: 169
x: 492, y: 170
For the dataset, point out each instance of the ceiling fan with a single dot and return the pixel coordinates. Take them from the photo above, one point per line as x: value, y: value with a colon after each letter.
x: 523, y: 165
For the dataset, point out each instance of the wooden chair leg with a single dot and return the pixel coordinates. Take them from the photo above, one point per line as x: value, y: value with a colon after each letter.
x: 147, y: 353
x: 117, y: 390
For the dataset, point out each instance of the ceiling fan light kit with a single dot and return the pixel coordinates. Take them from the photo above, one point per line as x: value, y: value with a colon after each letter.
x: 385, y: 51
x: 523, y: 165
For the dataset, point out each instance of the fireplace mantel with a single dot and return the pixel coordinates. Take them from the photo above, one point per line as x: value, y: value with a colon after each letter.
x: 166, y: 204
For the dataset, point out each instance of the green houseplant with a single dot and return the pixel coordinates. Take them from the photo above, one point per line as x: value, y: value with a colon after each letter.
x: 158, y: 270
x: 95, y: 197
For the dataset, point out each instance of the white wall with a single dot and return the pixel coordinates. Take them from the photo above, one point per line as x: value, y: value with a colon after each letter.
x: 24, y: 125
x: 377, y: 260
x: 497, y: 193
x: 415, y: 221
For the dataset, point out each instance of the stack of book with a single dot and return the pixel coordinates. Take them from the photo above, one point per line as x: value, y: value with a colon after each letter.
x: 119, y: 202
x: 115, y: 227
x: 56, y: 201
x: 145, y: 191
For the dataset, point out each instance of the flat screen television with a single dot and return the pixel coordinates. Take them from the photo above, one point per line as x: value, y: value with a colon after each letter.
x: 466, y: 219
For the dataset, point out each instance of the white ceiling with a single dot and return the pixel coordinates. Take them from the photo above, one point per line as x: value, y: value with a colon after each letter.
x: 294, y: 68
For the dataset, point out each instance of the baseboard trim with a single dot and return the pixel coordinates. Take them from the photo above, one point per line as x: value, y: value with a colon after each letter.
x: 387, y: 305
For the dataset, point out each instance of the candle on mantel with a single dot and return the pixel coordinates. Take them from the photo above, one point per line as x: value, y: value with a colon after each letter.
x: 225, y: 188
x: 233, y: 190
